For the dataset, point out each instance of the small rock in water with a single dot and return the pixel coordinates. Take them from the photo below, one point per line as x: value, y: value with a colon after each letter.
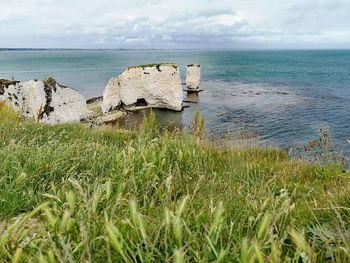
x: 193, y: 76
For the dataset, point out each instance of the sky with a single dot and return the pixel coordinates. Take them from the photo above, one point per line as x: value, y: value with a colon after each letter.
x: 175, y: 24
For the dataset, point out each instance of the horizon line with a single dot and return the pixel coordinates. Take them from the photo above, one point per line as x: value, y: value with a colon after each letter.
x: 169, y: 49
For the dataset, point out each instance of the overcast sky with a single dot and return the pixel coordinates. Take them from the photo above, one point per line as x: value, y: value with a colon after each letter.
x: 204, y: 24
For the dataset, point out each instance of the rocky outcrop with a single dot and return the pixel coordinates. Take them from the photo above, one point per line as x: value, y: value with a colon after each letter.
x: 193, y: 76
x: 45, y: 101
x: 111, y: 96
x: 156, y: 85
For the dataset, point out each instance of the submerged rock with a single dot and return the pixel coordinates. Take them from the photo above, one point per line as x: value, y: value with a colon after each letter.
x: 44, y: 101
x: 156, y: 85
x: 110, y: 117
x: 193, y: 76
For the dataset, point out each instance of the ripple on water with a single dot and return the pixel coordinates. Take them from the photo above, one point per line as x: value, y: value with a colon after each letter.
x: 283, y: 114
x: 257, y: 97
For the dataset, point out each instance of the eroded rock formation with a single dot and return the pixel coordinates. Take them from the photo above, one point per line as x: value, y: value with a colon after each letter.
x: 111, y: 96
x: 44, y: 101
x: 193, y: 76
x: 156, y: 85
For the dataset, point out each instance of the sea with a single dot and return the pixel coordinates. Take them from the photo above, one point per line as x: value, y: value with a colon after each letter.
x: 282, y: 96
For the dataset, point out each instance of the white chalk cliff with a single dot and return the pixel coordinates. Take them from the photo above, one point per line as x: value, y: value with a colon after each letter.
x: 111, y: 96
x: 193, y: 76
x: 157, y: 86
x: 44, y: 101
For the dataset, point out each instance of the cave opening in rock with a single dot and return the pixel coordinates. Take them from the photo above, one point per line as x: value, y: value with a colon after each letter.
x: 141, y: 102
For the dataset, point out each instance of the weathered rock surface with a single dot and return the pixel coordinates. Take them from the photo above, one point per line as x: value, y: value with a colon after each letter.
x: 157, y: 86
x: 111, y: 96
x: 193, y: 76
x: 45, y: 101
x: 110, y: 117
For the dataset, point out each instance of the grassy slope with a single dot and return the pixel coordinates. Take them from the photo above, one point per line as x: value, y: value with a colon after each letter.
x: 68, y: 193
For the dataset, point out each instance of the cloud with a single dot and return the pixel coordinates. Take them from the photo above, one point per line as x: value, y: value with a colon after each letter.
x: 312, y: 5
x: 174, y: 24
x: 321, y: 13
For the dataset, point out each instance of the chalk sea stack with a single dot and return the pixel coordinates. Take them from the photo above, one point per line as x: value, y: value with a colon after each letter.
x: 193, y: 76
x: 44, y: 101
x: 154, y: 85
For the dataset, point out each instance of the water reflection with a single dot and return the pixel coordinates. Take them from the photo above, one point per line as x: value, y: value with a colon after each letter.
x: 166, y: 119
x: 191, y: 97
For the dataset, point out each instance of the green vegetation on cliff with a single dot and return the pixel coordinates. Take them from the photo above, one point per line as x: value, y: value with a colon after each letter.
x: 157, y: 65
x: 72, y: 194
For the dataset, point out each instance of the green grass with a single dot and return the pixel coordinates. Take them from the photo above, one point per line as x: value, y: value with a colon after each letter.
x: 72, y: 194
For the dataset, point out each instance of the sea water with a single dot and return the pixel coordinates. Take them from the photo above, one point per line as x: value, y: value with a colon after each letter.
x: 282, y: 96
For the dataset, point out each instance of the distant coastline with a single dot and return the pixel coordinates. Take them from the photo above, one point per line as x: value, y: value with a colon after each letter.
x: 79, y: 49
x: 36, y: 49
x: 173, y: 49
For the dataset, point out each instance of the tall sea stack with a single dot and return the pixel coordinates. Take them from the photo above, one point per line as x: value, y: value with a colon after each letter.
x: 193, y: 76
